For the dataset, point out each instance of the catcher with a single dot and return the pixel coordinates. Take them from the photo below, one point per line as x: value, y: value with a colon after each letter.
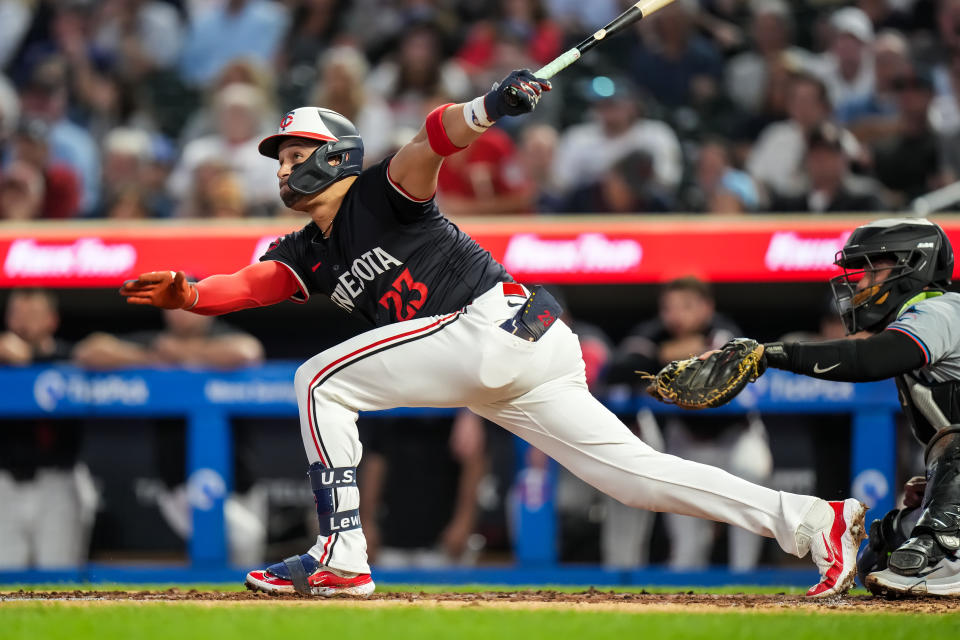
x: 895, y: 274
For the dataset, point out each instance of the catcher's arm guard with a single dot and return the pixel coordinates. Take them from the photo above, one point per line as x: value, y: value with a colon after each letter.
x: 710, y: 381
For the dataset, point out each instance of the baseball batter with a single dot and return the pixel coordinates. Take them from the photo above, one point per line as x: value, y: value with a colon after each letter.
x: 452, y: 329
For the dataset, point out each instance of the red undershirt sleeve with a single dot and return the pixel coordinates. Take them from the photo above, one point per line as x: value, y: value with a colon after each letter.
x: 258, y: 285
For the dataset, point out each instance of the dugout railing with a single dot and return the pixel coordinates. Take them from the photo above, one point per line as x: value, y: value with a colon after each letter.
x: 209, y: 399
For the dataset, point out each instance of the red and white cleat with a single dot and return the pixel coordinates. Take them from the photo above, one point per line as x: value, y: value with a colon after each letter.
x: 834, y: 547
x: 310, y: 578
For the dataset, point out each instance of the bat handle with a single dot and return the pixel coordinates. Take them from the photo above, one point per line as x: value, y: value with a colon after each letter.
x: 558, y: 64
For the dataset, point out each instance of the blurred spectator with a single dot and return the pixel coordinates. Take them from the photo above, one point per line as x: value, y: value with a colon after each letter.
x: 720, y: 188
x: 238, y: 108
x: 217, y: 193
x: 61, y: 186
x: 416, y: 77
x: 223, y: 32
x: 9, y: 111
x: 887, y: 14
x: 46, y: 494
x: 833, y: 188
x: 21, y: 192
x: 402, y: 529
x: 777, y: 158
x: 616, y: 129
x: 672, y: 62
x: 127, y: 154
x: 525, y: 20
x: 343, y: 71
x: 577, y: 16
x: 876, y: 116
x: 189, y: 340
x: 908, y: 162
x: 771, y: 33
x: 15, y: 19
x: 687, y: 324
x: 629, y: 186
x: 538, y: 145
x: 485, y: 178
x: 846, y: 68
x: 945, y: 108
x: 138, y: 36
x: 316, y: 25
x: 244, y: 71
x: 45, y: 98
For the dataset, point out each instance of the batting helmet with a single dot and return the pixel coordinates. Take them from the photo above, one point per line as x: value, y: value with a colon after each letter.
x: 338, y: 137
x: 922, y: 259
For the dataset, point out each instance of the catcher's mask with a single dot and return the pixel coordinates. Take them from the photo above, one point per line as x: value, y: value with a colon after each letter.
x: 338, y: 137
x: 916, y: 255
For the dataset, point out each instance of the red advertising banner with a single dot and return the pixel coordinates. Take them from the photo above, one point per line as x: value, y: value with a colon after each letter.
x: 555, y: 250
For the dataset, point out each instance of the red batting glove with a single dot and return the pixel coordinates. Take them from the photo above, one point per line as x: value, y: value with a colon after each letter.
x: 164, y: 289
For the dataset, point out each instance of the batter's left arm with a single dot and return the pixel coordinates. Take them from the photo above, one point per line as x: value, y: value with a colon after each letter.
x: 257, y: 285
x: 451, y: 128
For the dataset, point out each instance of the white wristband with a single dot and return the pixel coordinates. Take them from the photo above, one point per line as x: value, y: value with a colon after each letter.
x: 475, y: 115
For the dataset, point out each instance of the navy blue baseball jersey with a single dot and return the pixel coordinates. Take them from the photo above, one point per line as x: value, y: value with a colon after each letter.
x: 390, y: 257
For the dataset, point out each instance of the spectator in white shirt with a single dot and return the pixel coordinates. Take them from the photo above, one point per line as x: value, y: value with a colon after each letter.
x: 616, y: 129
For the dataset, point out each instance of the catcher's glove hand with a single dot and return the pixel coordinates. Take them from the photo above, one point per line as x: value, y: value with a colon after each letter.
x: 712, y: 381
x: 164, y: 289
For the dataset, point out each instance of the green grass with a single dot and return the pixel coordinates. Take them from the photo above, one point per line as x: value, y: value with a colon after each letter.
x: 30, y: 620
x: 187, y: 621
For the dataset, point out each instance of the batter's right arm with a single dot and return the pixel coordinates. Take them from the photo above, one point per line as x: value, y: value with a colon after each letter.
x: 451, y: 128
x: 257, y: 285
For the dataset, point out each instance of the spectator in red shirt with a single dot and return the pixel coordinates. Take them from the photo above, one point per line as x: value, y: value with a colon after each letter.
x: 61, y: 184
x: 485, y: 178
x: 525, y: 19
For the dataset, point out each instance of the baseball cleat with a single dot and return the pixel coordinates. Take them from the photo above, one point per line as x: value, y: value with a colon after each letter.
x: 942, y: 579
x: 834, y: 549
x: 306, y: 576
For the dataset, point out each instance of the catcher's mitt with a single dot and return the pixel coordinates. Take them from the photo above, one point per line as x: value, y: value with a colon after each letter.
x: 713, y: 381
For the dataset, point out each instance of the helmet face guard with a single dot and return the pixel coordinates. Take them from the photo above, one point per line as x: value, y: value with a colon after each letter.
x: 884, y: 264
x: 864, y: 307
x: 315, y: 174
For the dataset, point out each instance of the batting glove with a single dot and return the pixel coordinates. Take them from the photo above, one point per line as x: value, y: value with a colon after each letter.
x: 515, y: 95
x: 164, y: 289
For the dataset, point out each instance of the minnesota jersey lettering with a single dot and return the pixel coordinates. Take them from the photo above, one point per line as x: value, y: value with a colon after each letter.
x: 364, y: 269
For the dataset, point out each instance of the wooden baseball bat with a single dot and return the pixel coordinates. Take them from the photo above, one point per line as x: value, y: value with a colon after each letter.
x: 637, y: 12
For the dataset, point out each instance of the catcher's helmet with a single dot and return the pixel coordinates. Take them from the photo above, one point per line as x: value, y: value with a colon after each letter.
x: 339, y: 137
x: 922, y: 257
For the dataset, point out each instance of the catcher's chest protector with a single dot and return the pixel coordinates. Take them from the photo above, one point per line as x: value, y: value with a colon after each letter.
x: 929, y: 406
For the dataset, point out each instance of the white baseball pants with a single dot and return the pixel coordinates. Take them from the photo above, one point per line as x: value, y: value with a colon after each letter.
x: 537, y: 391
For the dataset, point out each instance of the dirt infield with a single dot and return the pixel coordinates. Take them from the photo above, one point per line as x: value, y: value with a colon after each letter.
x: 586, y: 600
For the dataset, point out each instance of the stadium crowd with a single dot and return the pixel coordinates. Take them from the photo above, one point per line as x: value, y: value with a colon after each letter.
x: 153, y: 108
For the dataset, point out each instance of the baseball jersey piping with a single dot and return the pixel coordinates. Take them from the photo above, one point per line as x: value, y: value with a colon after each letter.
x: 341, y: 363
x: 915, y: 338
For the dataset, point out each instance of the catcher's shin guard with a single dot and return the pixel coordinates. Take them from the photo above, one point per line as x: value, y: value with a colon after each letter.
x: 937, y: 532
x: 886, y: 536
